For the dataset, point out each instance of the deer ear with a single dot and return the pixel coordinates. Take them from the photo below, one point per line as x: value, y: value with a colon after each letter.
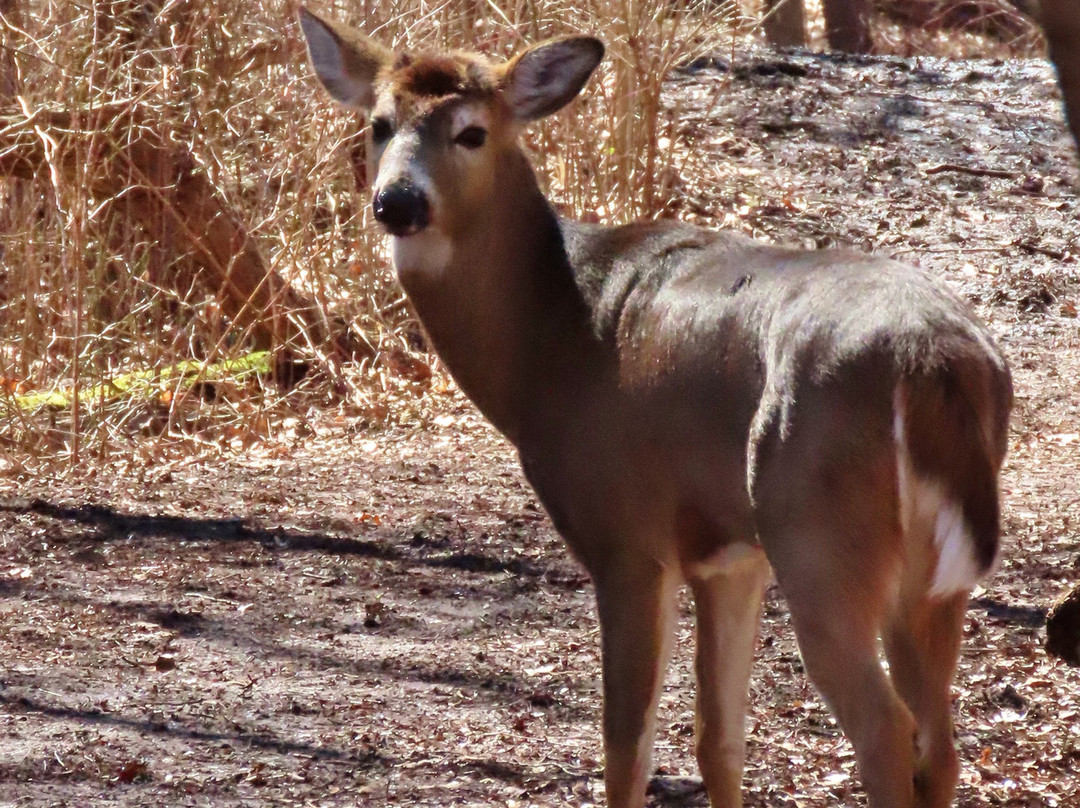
x: 345, y: 60
x: 548, y: 76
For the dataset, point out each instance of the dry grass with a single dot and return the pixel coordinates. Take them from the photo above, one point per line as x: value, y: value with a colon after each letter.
x: 88, y: 295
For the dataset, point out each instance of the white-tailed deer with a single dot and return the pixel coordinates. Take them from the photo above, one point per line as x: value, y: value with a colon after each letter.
x: 695, y: 407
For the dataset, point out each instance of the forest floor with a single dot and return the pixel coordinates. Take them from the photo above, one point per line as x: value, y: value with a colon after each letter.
x: 358, y: 616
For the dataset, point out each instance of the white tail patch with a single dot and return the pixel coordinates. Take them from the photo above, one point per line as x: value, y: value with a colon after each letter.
x: 925, y: 502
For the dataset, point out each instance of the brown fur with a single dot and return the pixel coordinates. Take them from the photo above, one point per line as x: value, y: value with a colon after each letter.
x: 440, y: 75
x: 432, y: 77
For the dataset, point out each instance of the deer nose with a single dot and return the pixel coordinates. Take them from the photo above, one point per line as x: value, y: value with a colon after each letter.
x: 402, y: 209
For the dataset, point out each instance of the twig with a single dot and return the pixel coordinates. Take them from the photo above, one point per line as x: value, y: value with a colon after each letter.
x: 950, y: 250
x: 203, y: 596
x: 978, y: 172
x: 1030, y: 247
x: 393, y: 308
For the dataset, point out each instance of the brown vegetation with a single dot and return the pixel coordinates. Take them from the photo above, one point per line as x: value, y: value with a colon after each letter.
x: 157, y: 184
x: 170, y: 193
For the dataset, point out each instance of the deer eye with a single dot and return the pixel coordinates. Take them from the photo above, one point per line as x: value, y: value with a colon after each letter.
x: 471, y: 137
x: 381, y: 130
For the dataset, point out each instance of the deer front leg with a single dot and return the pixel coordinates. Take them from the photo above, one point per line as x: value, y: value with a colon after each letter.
x: 728, y: 612
x: 636, y: 605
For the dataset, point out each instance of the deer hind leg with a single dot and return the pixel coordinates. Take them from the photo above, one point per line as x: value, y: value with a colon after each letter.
x: 837, y: 624
x: 823, y: 482
x: 636, y: 604
x: 922, y: 644
x: 728, y: 613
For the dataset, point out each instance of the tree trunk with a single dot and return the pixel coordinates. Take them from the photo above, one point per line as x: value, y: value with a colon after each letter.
x: 9, y: 73
x: 1061, y: 21
x: 847, y: 25
x: 785, y: 23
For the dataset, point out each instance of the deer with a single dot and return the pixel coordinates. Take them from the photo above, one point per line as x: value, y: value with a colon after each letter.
x: 697, y: 409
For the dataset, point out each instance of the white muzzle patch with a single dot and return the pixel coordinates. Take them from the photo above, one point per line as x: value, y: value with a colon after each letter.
x: 423, y: 257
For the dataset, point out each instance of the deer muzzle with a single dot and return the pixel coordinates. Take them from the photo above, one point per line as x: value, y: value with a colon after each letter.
x: 402, y: 208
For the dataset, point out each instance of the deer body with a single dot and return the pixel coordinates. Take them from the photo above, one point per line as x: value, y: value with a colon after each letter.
x: 696, y: 408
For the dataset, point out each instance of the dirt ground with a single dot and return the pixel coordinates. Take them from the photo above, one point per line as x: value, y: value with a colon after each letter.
x: 378, y: 617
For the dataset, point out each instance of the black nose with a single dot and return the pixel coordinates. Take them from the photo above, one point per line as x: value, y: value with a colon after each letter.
x: 402, y: 209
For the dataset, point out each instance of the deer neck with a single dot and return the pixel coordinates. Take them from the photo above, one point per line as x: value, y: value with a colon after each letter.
x: 500, y: 304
